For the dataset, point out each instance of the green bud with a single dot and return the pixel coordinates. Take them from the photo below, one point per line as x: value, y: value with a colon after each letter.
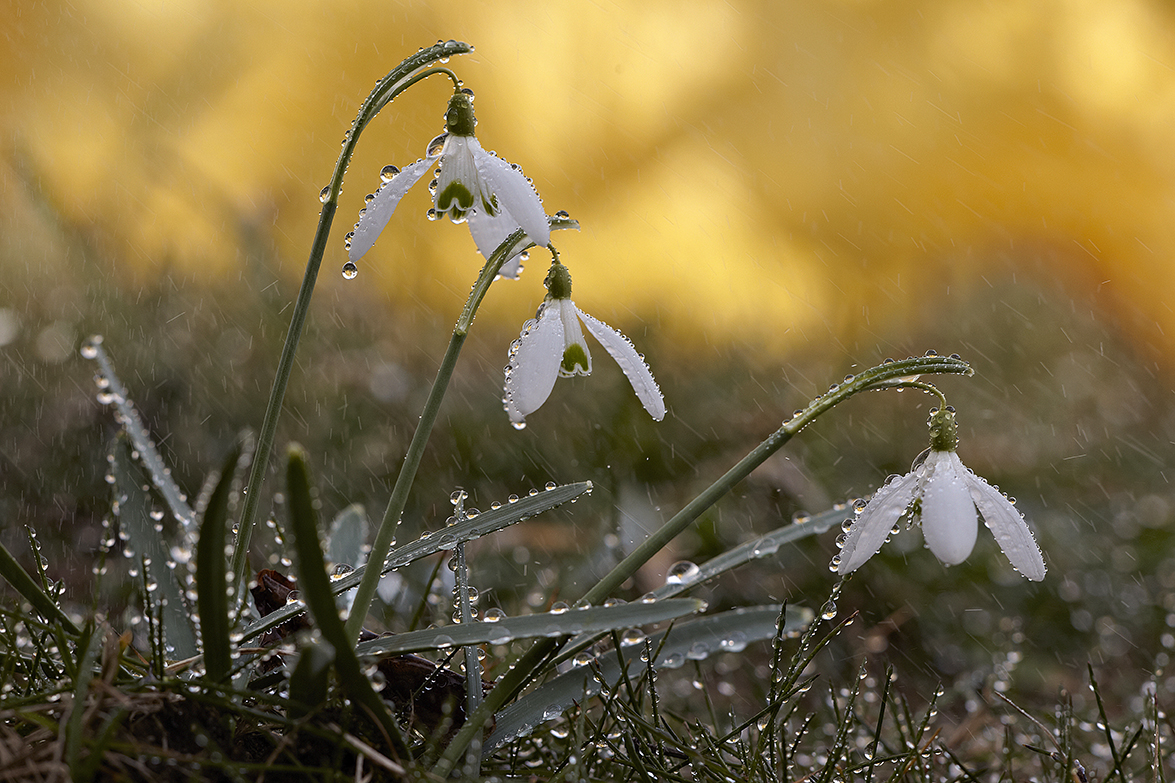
x: 459, y: 119
x: 943, y: 432
x: 558, y: 282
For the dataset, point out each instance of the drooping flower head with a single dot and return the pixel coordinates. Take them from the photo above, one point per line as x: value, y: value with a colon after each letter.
x: 551, y: 346
x: 947, y: 498
x: 493, y: 197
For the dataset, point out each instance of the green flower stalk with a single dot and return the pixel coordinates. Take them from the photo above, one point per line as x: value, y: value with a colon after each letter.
x: 408, y: 73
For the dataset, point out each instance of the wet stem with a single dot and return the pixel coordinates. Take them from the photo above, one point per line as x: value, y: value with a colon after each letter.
x: 885, y: 376
x: 405, y: 75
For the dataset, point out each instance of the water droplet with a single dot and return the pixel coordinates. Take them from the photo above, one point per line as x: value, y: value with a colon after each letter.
x: 559, y: 607
x: 388, y: 172
x: 90, y: 346
x: 493, y: 615
x: 324, y: 196
x: 829, y: 610
x: 632, y: 636
x: 350, y: 270
x: 682, y: 572
x: 437, y: 145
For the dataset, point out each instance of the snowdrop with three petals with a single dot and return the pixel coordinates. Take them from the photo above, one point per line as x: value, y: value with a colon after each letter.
x: 472, y: 186
x: 552, y: 346
x: 948, y: 498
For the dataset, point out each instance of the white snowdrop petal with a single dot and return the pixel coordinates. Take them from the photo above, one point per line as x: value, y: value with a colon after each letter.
x: 458, y: 166
x: 534, y: 364
x: 949, y: 520
x: 490, y: 231
x: 379, y: 211
x: 873, y: 525
x: 1009, y: 528
x: 572, y: 336
x: 624, y: 352
x: 515, y: 195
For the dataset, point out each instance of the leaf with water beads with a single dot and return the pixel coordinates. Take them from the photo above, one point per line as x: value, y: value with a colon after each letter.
x: 684, y: 576
x: 595, y: 619
x: 696, y: 640
x: 11, y: 572
x: 430, y: 543
x: 111, y: 390
x: 171, y: 569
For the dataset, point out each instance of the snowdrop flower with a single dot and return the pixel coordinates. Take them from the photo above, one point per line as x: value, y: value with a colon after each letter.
x: 552, y: 346
x: 944, y: 494
x: 472, y: 186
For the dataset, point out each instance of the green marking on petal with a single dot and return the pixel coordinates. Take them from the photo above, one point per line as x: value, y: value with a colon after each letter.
x: 490, y: 205
x: 455, y: 199
x: 575, y: 357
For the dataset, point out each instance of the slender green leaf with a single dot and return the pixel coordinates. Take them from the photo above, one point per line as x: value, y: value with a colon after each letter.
x: 147, y: 541
x: 430, y: 543
x: 726, y: 632
x: 548, y: 624
x: 348, y: 535
x: 111, y: 390
x: 310, y: 681
x: 211, y: 588
x: 91, y: 644
x: 32, y: 592
x: 316, y: 587
x: 764, y: 546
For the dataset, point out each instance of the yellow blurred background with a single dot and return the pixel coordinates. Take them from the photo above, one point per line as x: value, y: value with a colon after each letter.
x: 759, y: 172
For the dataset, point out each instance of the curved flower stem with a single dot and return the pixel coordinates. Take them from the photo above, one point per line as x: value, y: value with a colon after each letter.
x: 408, y: 73
x: 889, y: 375
x: 386, y: 534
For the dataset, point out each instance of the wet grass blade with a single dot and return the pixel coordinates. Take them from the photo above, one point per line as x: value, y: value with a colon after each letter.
x: 430, y: 543
x: 693, y: 641
x: 134, y: 515
x: 32, y: 592
x: 212, y: 597
x: 764, y: 546
x: 348, y: 535
x: 316, y: 587
x: 111, y: 390
x: 91, y: 645
x: 509, y: 629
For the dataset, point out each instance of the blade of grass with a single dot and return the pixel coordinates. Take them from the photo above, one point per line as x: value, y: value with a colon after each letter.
x: 91, y: 645
x: 212, y: 599
x: 315, y: 586
x: 32, y: 592
x: 509, y: 629
x: 134, y: 515
x: 111, y: 390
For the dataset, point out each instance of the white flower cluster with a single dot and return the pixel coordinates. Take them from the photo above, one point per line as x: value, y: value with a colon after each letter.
x: 494, y: 198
